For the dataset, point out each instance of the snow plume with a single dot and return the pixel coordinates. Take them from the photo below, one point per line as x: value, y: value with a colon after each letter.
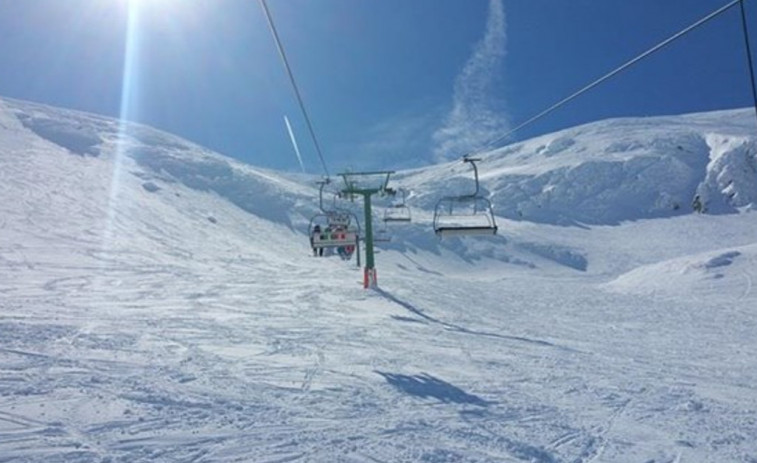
x: 474, y: 119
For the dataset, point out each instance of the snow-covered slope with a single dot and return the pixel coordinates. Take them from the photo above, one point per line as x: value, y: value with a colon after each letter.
x: 159, y: 302
x: 696, y: 275
x: 617, y: 170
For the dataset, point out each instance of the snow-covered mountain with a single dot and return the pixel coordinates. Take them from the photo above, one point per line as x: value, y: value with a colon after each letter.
x: 159, y: 302
x: 618, y: 170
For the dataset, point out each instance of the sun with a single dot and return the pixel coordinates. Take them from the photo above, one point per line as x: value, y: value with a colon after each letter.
x: 163, y: 6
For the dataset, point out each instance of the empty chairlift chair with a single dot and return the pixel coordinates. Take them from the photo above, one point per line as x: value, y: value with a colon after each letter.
x: 398, y: 212
x: 381, y: 234
x: 464, y: 215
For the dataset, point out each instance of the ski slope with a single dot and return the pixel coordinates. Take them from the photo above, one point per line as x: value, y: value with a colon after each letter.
x: 159, y: 302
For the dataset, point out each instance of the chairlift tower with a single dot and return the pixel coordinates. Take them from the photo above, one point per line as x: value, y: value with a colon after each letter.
x: 367, y: 184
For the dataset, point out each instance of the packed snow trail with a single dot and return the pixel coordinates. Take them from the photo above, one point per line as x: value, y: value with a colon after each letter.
x: 262, y: 363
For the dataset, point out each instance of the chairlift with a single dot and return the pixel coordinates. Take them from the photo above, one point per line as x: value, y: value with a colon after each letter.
x: 326, y: 235
x: 398, y: 212
x: 465, y: 215
x: 334, y: 228
x: 339, y: 217
x: 381, y: 234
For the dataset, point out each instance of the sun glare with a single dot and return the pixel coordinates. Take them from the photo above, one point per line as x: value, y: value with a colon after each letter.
x: 157, y: 6
x: 129, y: 104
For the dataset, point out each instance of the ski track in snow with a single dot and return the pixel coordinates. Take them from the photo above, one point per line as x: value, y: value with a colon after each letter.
x: 134, y: 328
x: 194, y: 370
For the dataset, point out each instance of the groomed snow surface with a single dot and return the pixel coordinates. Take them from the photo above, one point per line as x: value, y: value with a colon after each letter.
x: 159, y: 302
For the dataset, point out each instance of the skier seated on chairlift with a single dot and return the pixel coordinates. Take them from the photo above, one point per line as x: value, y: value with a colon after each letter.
x: 316, y: 251
x: 345, y: 252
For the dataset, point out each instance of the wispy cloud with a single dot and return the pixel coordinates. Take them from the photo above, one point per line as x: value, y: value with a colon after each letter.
x: 476, y: 116
x: 397, y: 142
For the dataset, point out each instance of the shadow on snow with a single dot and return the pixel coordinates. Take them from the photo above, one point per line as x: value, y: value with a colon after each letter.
x: 427, y: 386
x: 461, y: 329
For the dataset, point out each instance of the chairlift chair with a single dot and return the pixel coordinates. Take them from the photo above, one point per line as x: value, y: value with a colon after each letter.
x: 460, y: 216
x: 328, y: 236
x: 398, y: 212
x: 339, y: 218
x: 337, y: 228
x: 465, y: 215
x: 339, y: 237
x: 381, y: 234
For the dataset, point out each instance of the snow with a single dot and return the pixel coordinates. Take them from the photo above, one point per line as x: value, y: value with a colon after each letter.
x: 720, y: 275
x: 159, y: 302
x: 617, y: 170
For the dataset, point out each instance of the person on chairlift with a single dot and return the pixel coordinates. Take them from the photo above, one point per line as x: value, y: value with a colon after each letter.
x: 316, y: 251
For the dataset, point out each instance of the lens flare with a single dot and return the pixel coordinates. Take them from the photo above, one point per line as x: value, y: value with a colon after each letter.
x: 129, y: 110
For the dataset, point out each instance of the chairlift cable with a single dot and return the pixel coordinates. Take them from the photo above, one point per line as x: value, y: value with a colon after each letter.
x: 613, y: 73
x: 284, y: 59
x: 749, y: 55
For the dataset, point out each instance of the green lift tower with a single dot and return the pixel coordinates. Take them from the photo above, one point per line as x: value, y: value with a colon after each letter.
x: 367, y: 184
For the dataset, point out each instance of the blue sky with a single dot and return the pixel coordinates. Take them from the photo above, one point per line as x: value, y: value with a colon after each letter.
x: 388, y: 84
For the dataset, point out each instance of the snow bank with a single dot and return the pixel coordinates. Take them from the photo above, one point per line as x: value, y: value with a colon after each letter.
x: 164, y: 159
x: 723, y: 275
x: 729, y: 182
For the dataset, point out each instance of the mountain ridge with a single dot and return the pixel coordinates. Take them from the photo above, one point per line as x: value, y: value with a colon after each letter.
x: 599, y: 173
